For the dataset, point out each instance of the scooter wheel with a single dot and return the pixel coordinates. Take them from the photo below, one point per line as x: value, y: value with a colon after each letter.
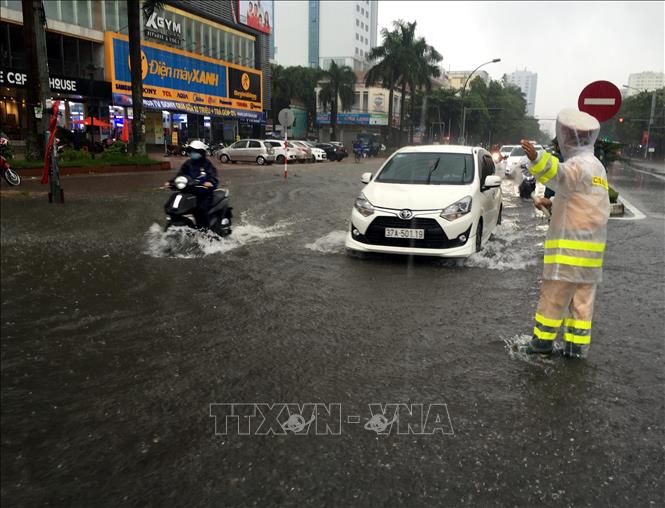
x: 12, y: 177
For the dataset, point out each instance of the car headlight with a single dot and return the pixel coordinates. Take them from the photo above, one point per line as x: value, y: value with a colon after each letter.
x: 180, y: 182
x: 457, y: 209
x: 363, y: 206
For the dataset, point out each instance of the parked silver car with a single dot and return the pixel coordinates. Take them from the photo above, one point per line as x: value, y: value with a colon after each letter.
x: 248, y: 150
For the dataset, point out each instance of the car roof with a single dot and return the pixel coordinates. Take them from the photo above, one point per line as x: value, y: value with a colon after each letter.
x: 440, y: 149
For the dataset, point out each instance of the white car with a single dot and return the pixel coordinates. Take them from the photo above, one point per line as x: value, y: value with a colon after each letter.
x: 514, y: 160
x: 292, y: 154
x: 319, y: 154
x: 437, y: 200
x: 315, y: 154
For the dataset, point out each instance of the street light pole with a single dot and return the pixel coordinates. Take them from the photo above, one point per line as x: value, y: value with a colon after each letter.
x: 463, y: 117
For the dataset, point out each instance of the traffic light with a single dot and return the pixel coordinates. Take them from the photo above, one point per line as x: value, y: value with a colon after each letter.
x: 621, y: 120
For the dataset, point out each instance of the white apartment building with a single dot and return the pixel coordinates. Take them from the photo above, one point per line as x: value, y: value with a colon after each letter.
x: 313, y: 33
x: 646, y: 81
x: 526, y: 81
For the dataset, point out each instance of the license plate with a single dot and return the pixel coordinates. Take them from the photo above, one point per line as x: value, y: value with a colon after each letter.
x: 418, y: 234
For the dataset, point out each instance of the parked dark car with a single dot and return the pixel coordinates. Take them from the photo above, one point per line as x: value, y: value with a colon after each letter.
x: 333, y: 152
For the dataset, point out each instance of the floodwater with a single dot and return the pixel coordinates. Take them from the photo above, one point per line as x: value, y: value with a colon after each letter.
x: 117, y: 337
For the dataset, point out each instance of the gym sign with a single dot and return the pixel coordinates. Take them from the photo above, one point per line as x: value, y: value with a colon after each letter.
x: 163, y: 29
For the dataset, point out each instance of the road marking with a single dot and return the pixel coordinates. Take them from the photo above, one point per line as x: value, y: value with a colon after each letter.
x: 599, y: 102
x: 637, y: 215
x: 648, y: 173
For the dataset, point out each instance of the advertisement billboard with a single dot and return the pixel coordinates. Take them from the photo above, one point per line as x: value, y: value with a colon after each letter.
x: 178, y: 76
x: 257, y: 14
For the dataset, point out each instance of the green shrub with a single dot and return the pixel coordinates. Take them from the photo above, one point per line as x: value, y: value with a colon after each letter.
x: 71, y: 155
x: 614, y: 195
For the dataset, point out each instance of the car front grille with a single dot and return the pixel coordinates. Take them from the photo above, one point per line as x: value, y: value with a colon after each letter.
x: 435, y: 237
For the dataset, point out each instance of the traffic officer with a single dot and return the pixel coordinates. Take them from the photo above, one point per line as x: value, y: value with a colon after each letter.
x: 575, y: 242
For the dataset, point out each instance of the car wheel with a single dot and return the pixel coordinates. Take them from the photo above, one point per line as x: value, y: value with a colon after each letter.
x: 479, y: 236
x: 224, y: 158
x: 260, y: 161
x: 280, y: 159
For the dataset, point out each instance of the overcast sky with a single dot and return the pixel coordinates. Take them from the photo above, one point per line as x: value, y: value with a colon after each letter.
x: 569, y: 44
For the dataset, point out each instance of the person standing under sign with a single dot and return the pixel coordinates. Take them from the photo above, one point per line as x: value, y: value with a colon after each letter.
x: 575, y: 241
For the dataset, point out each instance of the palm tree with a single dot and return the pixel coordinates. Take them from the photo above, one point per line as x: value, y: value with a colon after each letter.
x: 421, y: 69
x: 388, y: 69
x: 338, y: 86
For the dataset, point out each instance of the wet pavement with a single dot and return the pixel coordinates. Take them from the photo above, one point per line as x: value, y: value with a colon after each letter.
x: 116, y: 340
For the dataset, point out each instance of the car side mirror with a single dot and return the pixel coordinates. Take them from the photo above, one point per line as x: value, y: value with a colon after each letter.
x: 366, y: 178
x: 491, y: 182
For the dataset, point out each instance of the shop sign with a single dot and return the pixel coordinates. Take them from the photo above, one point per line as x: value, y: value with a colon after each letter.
x: 184, y: 107
x: 175, y: 75
x: 245, y: 85
x: 163, y: 29
x: 354, y: 118
x: 58, y: 84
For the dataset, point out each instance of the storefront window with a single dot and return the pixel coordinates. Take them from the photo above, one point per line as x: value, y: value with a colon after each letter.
x: 84, y: 16
x: 68, y: 12
x: 52, y: 9
x: 122, y: 17
x: 12, y: 4
x: 111, y: 12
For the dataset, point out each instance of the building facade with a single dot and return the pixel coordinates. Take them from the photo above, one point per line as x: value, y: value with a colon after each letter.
x: 645, y: 81
x: 526, y: 81
x: 367, y: 115
x: 456, y: 79
x: 314, y: 33
x: 205, y: 68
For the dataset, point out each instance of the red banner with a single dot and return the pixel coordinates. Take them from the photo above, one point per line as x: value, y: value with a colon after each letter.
x: 52, y: 126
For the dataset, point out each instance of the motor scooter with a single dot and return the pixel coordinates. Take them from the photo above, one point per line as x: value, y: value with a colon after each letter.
x: 181, y: 207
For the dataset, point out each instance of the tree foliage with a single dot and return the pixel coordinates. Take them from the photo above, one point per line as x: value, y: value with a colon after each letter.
x: 635, y: 112
x: 337, y: 88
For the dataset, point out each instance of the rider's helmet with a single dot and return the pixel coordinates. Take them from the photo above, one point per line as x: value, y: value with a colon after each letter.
x: 197, y: 146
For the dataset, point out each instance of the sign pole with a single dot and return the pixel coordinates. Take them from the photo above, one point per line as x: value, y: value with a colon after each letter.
x: 286, y: 118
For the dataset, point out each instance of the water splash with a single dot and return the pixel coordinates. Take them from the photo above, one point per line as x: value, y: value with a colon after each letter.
x: 514, y: 343
x: 512, y: 247
x: 332, y: 243
x: 183, y: 242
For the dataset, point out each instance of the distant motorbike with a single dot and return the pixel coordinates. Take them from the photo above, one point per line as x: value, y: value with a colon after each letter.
x: 10, y: 176
x: 528, y: 185
x: 181, y: 205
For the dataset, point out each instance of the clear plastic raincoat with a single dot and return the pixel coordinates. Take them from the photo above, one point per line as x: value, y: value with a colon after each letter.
x: 575, y: 242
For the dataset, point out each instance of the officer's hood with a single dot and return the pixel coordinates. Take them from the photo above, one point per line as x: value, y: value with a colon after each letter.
x: 576, y: 133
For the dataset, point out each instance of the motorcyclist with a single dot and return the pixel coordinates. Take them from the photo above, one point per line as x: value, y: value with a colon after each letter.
x: 200, y: 169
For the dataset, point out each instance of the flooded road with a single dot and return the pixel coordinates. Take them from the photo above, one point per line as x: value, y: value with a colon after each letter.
x: 117, y: 338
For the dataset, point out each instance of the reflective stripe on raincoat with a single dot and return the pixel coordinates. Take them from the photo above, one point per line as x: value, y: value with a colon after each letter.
x: 575, y: 241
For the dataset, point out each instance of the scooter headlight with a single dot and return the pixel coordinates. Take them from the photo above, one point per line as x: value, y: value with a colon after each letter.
x: 180, y: 182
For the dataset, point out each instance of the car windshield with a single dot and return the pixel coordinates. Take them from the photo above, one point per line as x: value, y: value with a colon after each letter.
x: 506, y: 148
x: 517, y: 152
x: 428, y: 168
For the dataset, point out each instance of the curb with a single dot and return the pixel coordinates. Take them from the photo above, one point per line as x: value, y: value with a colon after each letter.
x: 617, y: 209
x: 83, y: 170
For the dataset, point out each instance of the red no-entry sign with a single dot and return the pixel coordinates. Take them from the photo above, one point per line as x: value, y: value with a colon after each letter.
x: 601, y: 99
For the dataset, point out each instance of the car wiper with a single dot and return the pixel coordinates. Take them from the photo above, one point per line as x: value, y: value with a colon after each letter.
x: 464, y: 172
x: 432, y: 170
